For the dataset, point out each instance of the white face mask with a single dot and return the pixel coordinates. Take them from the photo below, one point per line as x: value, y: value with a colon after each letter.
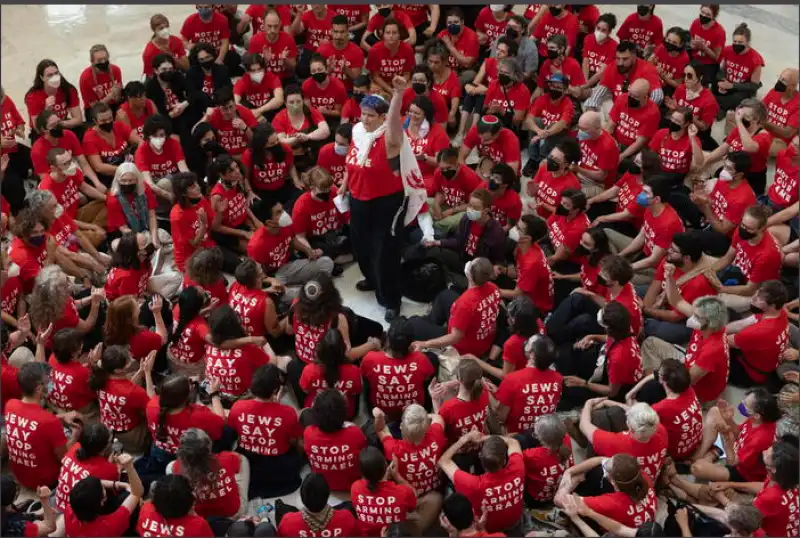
x: 694, y: 323
x: 257, y: 77
x: 285, y: 220
x: 59, y: 211
x: 600, y: 36
x: 54, y: 81
x: 497, y: 7
x: 13, y: 270
x: 164, y: 33
x: 340, y: 149
x: 72, y: 170
x: 600, y: 318
x: 725, y: 175
x: 513, y: 234
x: 473, y: 214
x: 157, y: 142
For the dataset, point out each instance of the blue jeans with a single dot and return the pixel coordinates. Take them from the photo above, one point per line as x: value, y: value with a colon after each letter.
x: 674, y: 333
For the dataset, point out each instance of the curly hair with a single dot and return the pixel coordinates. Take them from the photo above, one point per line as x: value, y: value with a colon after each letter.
x: 196, y: 458
x: 121, y: 324
x: 25, y: 223
x: 318, y: 301
x: 49, y: 296
x: 205, y: 266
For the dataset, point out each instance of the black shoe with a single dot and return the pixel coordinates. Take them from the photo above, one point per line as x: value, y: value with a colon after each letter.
x: 337, y: 270
x: 364, y: 285
x: 391, y: 314
x: 530, y: 168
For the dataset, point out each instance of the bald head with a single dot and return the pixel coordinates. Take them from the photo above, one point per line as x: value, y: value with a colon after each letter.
x: 591, y: 122
x: 790, y: 77
x: 640, y: 89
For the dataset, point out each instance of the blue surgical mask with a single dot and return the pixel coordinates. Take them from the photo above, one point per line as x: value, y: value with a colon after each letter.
x: 473, y: 214
x: 583, y: 135
x: 743, y: 410
x: 643, y: 200
x: 340, y: 149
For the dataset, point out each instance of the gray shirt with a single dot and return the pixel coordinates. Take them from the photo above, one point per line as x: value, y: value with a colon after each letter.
x: 527, y: 55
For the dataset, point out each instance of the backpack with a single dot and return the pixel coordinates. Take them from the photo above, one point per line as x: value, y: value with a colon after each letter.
x: 423, y: 279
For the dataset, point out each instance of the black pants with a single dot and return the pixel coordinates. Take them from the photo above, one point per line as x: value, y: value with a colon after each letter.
x: 651, y: 393
x: 376, y: 248
x: 757, y: 180
x: 19, y: 168
x: 573, y: 319
x: 739, y: 376
x: 283, y: 472
x: 434, y: 324
x: 286, y: 195
x: 334, y: 243
x: 293, y: 372
x: 713, y: 243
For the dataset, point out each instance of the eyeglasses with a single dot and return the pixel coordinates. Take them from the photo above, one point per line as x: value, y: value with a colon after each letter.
x: 688, y: 76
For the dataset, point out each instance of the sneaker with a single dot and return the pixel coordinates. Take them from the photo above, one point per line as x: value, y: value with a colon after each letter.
x: 337, y: 270
x: 364, y: 285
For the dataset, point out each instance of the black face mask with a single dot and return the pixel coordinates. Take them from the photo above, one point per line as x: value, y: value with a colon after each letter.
x: 634, y: 169
x: 385, y: 11
x: 555, y: 11
x: 747, y: 235
x: 756, y: 309
x: 128, y: 189
x: 643, y: 11
x: 633, y: 102
x: 103, y: 66
x: 227, y: 184
x: 107, y: 127
x: 562, y: 211
x: 493, y: 185
x: 512, y: 33
x: 673, y: 127
x: 555, y: 94
x: 504, y: 79
x: 552, y: 54
x: 580, y: 250
x: 419, y: 87
x: 166, y: 76
x: 746, y: 123
x: 195, y: 201
x: 324, y: 196
x: 57, y: 131
x: 450, y: 173
x: 671, y: 47
x: 780, y: 87
x: 552, y: 165
x: 149, y: 250
x: 357, y: 97
x: 212, y: 147
x: 319, y: 77
x: 738, y: 49
x: 207, y: 64
x: 704, y: 19
x: 601, y: 280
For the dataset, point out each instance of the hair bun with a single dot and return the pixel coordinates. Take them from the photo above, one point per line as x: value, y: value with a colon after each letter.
x: 312, y: 289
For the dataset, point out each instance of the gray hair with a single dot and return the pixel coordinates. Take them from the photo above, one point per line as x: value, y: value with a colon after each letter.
x: 415, y: 423
x: 37, y: 199
x: 127, y: 168
x: 757, y: 107
x: 514, y: 67
x: 642, y: 420
x: 550, y: 430
x: 195, y: 456
x: 712, y: 310
x: 49, y: 296
x: 744, y: 518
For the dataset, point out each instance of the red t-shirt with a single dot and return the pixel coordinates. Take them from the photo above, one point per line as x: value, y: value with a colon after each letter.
x: 779, y: 510
x: 315, y: 218
x: 271, y: 251
x: 185, y: 221
x: 417, y: 462
x: 463, y: 416
x: 640, y: 31
x: 456, y: 191
x: 234, y: 367
x: 316, y: 30
x: 683, y: 419
x: 10, y: 294
x: 529, y: 393
x: 10, y: 119
x: 69, y: 317
x: 333, y: 94
x: 712, y: 355
x: 122, y: 404
x: 176, y: 424
x: 466, y: 42
x: 351, y: 57
x: 264, y: 428
x: 195, y: 30
x: 114, y: 524
x: 783, y: 191
x: 621, y: 507
x: 659, y: 230
x: 514, y: 352
x: 233, y: 140
x: 35, y: 103
x: 550, y: 187
x: 516, y: 98
x: 758, y: 262
x: 601, y: 153
x: 780, y: 113
x: 218, y: 495
x: 259, y: 94
x: 131, y: 281
x: 671, y: 65
x: 550, y: 25
x: 674, y: 155
x: 191, y: 345
x: 32, y: 435
x: 361, y: 179
x: 569, y: 67
x: 551, y: 112
x: 488, y: 25
x: 30, y: 260
x: 376, y: 21
x: 396, y: 383
x: 42, y: 147
x: 632, y: 123
x: 434, y: 141
x: 544, y: 469
x: 567, y: 232
x: 283, y: 124
x: 251, y: 305
x: 589, y: 274
x: 272, y: 174
x: 151, y: 523
x: 342, y: 523
x: 73, y: 470
x: 274, y: 53
x: 450, y: 88
x: 116, y: 216
x: 258, y: 11
x: 752, y: 441
x: 704, y: 107
x: 69, y: 385
x: 507, y: 207
x: 174, y: 47
x: 629, y: 189
x: 417, y: 13
x: 763, y: 344
x: 313, y: 381
x: 474, y: 314
x: 96, y: 86
x: 66, y: 192
x: 137, y: 122
x: 739, y: 68
x: 759, y: 159
x: 599, y: 55
x: 501, y: 494
x: 694, y: 288
x: 730, y: 204
x: 161, y: 164
x: 334, y: 163
x: 9, y: 384
x: 714, y: 37
x: 236, y: 205
x: 615, y: 81
x: 335, y: 455
x: 382, y: 63
x: 650, y: 455
x: 387, y: 503
x: 503, y: 149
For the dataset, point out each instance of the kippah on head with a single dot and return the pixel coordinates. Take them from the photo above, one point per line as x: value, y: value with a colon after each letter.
x: 490, y: 119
